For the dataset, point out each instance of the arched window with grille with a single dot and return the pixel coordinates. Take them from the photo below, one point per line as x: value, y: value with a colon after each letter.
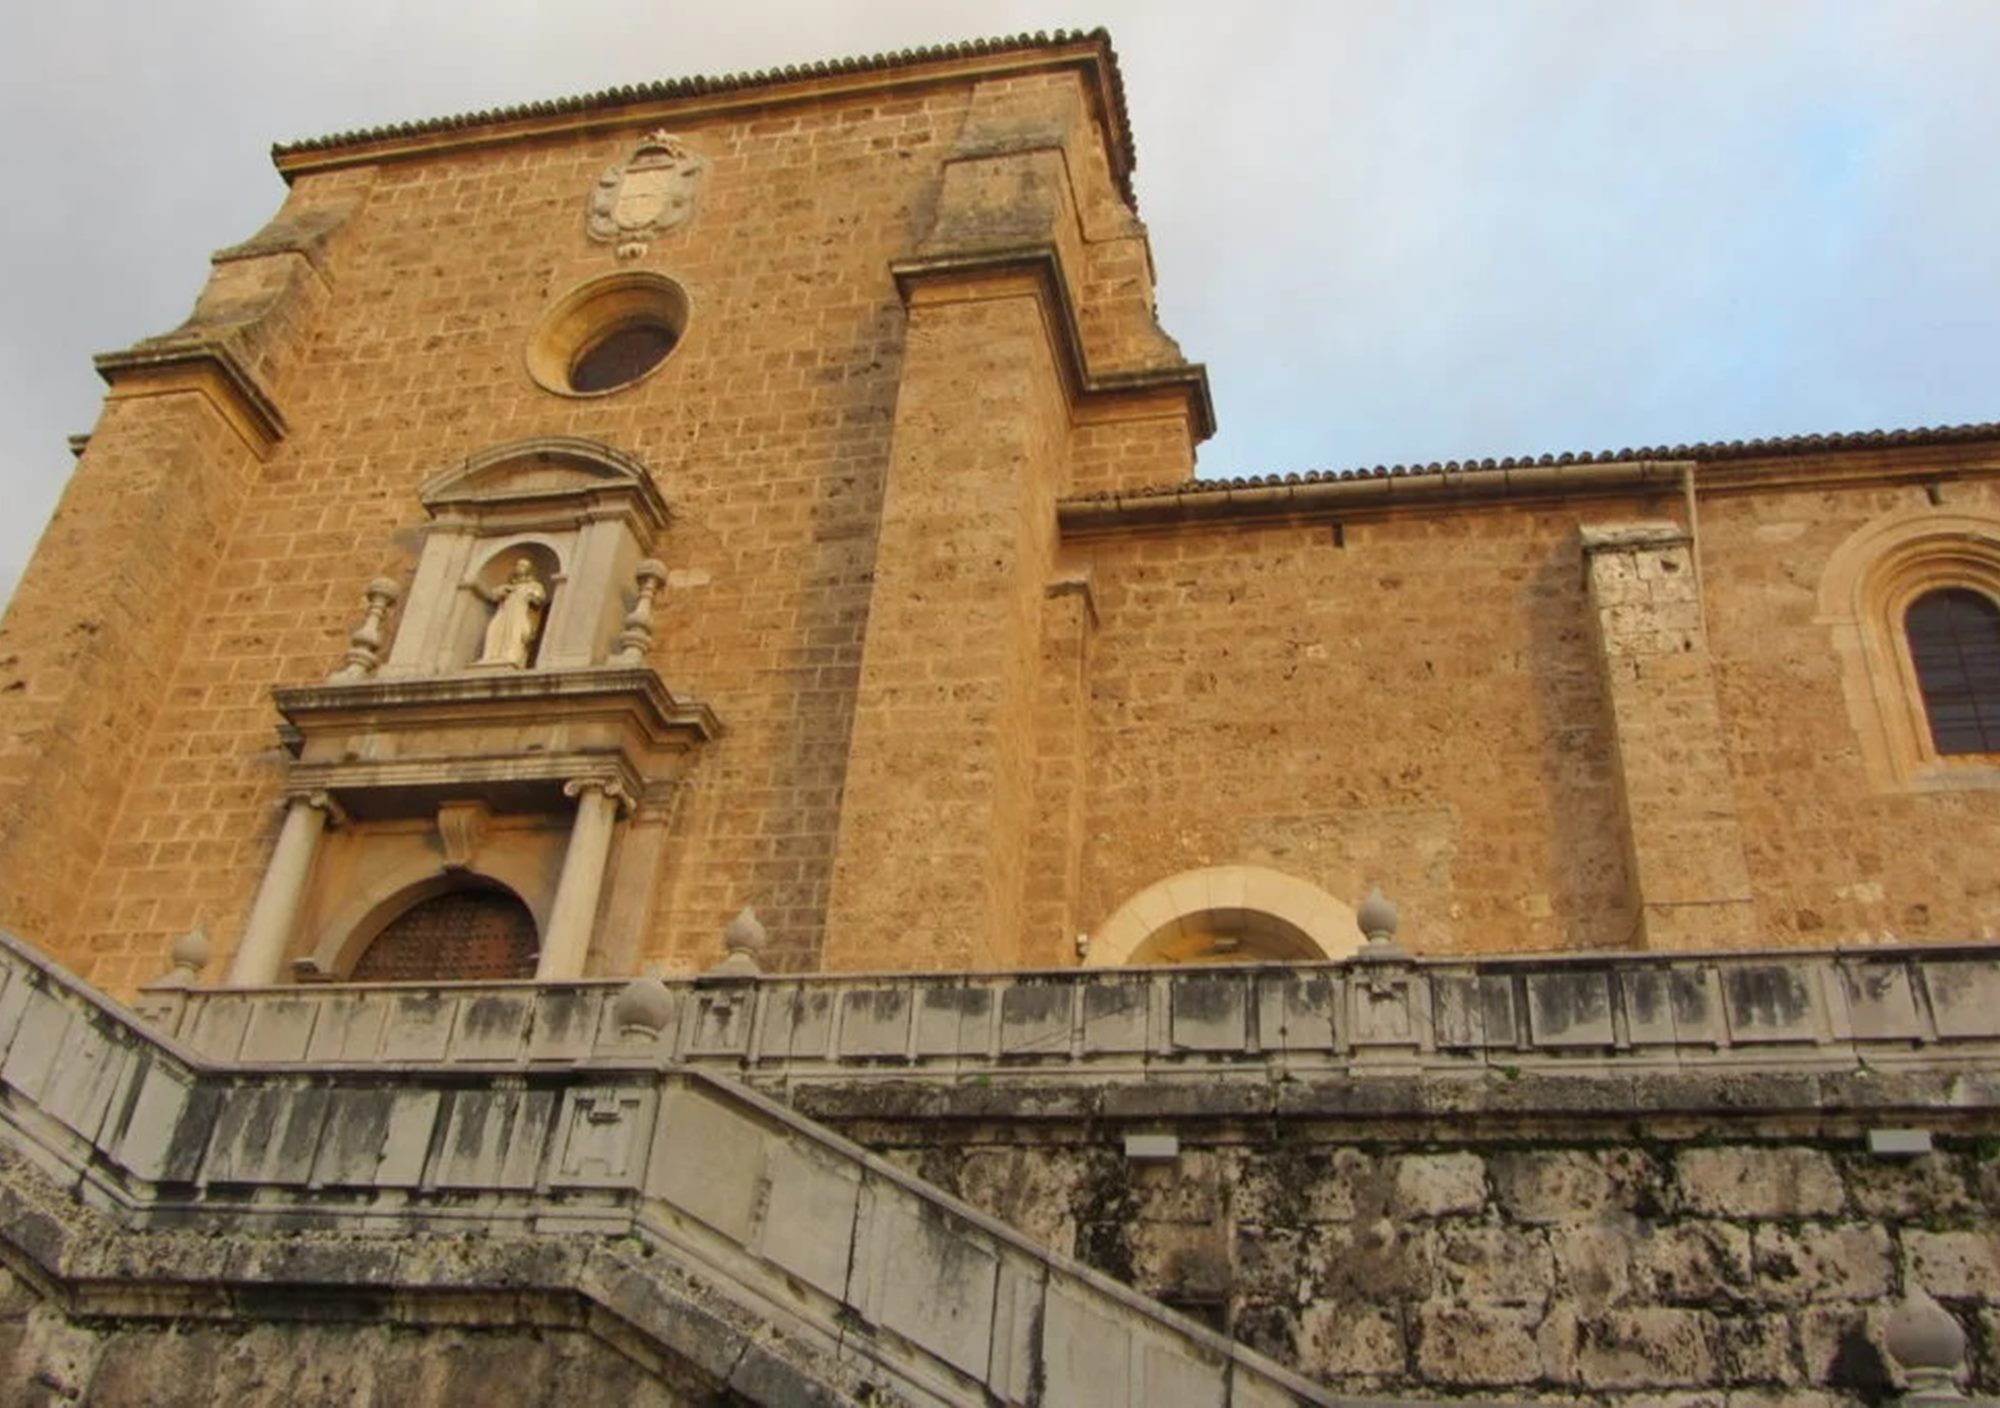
x: 1954, y: 637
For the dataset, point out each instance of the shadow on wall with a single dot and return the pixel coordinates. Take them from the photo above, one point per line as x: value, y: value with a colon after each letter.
x: 1591, y: 896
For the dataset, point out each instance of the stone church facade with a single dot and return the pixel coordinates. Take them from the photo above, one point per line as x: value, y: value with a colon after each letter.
x: 650, y: 673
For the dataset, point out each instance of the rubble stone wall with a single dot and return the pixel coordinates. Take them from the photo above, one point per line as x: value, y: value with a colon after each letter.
x: 1691, y: 1260
x: 49, y: 1358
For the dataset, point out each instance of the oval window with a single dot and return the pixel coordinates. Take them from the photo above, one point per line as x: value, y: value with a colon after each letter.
x: 608, y: 334
x: 623, y: 355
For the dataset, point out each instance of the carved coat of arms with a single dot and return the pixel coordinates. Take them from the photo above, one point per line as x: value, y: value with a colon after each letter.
x: 649, y: 193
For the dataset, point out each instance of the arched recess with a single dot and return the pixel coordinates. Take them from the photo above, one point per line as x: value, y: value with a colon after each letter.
x: 473, y: 931
x: 395, y: 891
x: 1871, y: 581
x: 1226, y: 914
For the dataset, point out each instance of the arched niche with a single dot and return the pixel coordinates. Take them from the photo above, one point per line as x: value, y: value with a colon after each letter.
x: 589, y: 513
x: 1226, y: 914
x: 489, y: 572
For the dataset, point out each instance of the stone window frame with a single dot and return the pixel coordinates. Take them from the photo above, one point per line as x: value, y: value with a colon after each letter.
x: 1291, y: 903
x: 1869, y: 584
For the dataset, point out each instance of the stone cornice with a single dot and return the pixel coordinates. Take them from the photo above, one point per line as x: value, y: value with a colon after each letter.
x: 693, y: 99
x: 398, y: 746
x: 451, y: 698
x: 991, y: 272
x: 208, y: 366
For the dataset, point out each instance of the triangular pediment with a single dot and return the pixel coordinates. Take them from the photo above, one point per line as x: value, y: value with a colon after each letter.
x: 545, y: 469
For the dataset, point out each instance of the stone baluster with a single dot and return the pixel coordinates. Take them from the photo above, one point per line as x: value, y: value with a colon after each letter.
x: 1929, y: 1345
x: 574, y: 913
x: 635, y: 642
x: 260, y: 955
x: 364, y: 647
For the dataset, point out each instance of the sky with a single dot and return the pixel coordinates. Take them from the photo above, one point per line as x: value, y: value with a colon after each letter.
x: 1396, y: 231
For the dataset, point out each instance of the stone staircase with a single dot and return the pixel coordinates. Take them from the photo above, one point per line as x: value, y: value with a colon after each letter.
x: 693, y: 1224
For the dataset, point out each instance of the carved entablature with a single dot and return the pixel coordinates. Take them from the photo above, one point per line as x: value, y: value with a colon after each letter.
x: 514, y: 740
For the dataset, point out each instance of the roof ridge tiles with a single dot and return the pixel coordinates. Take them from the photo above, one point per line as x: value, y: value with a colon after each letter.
x: 695, y: 85
x: 1701, y: 450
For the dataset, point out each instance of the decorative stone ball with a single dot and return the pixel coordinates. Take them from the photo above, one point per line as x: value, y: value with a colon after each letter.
x: 651, y: 569
x: 1376, y: 915
x: 191, y: 950
x: 1922, y: 1335
x: 643, y: 1006
x: 385, y: 588
x: 745, y: 933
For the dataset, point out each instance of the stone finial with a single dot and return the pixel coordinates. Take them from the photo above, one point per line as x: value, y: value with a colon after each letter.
x: 635, y: 641
x: 1377, y: 920
x: 364, y: 647
x: 642, y: 1008
x: 745, y: 938
x: 1928, y: 1343
x: 190, y: 954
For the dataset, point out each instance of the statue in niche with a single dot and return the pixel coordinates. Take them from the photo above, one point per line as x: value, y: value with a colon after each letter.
x: 517, y: 617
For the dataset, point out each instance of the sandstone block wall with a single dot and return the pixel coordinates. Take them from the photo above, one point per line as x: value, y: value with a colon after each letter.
x: 144, y: 774
x: 1691, y: 1263
x: 1833, y: 857
x: 1413, y: 702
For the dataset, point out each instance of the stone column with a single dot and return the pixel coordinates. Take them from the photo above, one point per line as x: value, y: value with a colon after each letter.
x: 1684, y: 841
x: 574, y: 913
x: 260, y: 955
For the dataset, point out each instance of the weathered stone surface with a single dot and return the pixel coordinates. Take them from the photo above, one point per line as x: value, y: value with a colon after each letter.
x: 1651, y: 1348
x: 1433, y: 1185
x: 1563, y: 1185
x: 1940, y: 1183
x: 1754, y: 1349
x: 1494, y: 1264
x: 1339, y: 1342
x: 1751, y: 1181
x: 1037, y: 1195
x: 1366, y: 1263
x: 1477, y: 1345
x: 1820, y: 1263
x: 1840, y: 1349
x: 1955, y: 1264
x: 1691, y: 1262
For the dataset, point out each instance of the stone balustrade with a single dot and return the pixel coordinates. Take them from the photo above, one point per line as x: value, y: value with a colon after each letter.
x: 719, y: 1229
x: 1819, y: 1010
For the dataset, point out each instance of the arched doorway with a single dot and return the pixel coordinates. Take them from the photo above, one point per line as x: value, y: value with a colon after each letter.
x: 475, y: 933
